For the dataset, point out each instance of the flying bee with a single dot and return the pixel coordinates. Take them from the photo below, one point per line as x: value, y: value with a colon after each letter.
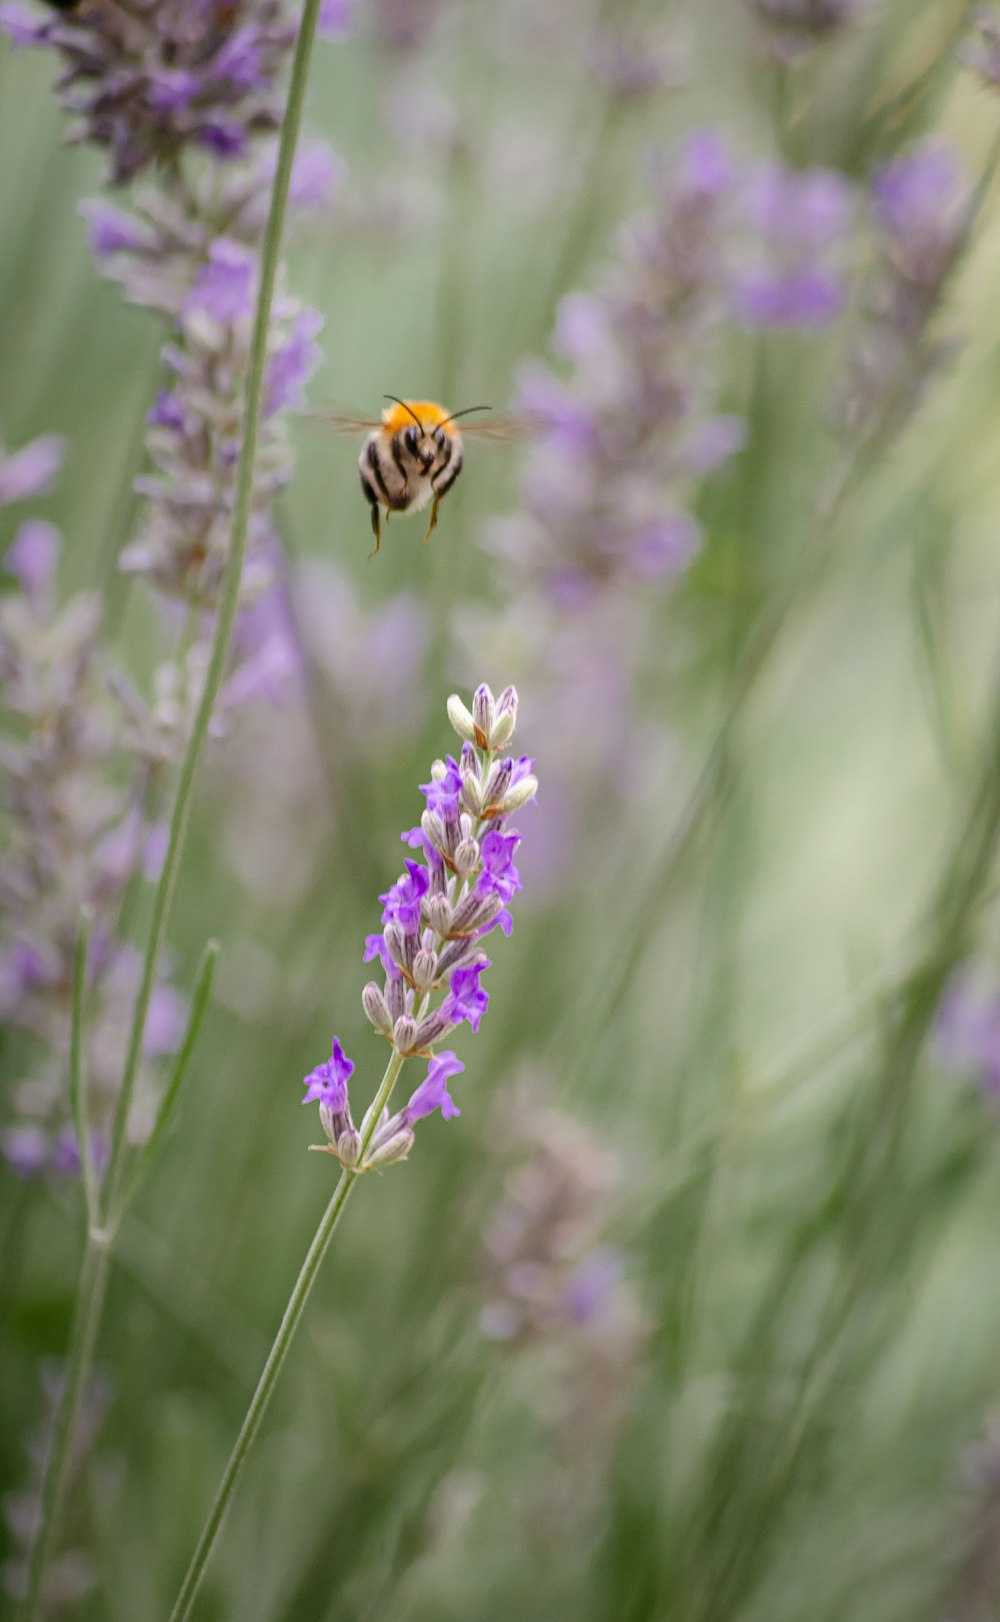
x: 411, y: 457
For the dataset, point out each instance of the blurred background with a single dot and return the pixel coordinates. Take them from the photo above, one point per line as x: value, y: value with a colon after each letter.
x: 692, y: 1315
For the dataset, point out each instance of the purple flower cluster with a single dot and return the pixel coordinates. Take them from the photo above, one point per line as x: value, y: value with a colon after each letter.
x: 70, y: 839
x: 799, y: 224
x: 921, y: 216
x: 434, y: 920
x: 617, y: 443
x: 981, y: 51
x: 148, y: 80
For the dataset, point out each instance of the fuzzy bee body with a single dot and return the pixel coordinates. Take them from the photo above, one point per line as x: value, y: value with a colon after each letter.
x: 411, y: 460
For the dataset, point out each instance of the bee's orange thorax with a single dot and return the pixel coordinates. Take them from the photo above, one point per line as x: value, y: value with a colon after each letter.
x: 429, y: 413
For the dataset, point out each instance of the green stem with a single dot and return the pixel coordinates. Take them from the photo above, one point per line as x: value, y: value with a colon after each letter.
x: 77, y: 1074
x: 276, y: 1356
x: 93, y: 1275
x: 86, y: 1321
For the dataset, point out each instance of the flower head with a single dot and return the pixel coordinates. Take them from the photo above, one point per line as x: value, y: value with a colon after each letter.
x: 434, y: 920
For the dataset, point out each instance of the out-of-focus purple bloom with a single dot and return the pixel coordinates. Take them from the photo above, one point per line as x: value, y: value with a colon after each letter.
x: 589, y: 1290
x: 433, y: 1092
x: 327, y: 1084
x: 26, y: 1150
x: 336, y: 18
x: 147, y: 81
x: 224, y: 286
x: 31, y: 471
x: 633, y: 65
x: 292, y: 364
x: 317, y: 175
x: 113, y: 230
x: 467, y: 999
x: 968, y: 1033
x: 799, y: 223
x: 33, y: 555
x: 921, y: 208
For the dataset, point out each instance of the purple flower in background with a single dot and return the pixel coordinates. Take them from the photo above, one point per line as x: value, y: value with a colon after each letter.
x: 794, y: 26
x: 981, y: 50
x: 799, y: 223
x: 968, y: 1033
x: 224, y: 287
x: 292, y: 364
x: 433, y: 1092
x: 921, y: 213
x: 148, y: 80
x: 434, y: 920
x: 327, y: 1084
x: 33, y: 555
x: 31, y: 471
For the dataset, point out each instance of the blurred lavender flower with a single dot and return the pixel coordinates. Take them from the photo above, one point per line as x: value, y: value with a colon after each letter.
x: 148, y: 80
x: 799, y: 224
x: 616, y: 444
x: 31, y: 470
x: 921, y: 206
x: 968, y: 1034
x: 434, y: 920
x: 550, y: 1283
x: 69, y: 838
x: 794, y: 26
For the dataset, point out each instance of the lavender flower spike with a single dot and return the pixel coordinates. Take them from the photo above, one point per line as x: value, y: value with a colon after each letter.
x: 434, y: 921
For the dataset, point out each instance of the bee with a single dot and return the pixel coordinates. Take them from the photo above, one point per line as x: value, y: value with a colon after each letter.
x: 411, y: 457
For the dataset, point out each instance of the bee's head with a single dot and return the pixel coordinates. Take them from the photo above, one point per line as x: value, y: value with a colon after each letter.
x: 421, y: 445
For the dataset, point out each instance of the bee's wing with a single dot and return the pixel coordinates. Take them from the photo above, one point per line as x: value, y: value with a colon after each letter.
x: 500, y: 430
x: 346, y: 422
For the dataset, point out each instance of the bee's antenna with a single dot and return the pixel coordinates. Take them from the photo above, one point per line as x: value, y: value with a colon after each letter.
x: 465, y: 413
x: 405, y: 407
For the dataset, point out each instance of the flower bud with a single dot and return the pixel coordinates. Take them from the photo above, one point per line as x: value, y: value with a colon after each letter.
x: 376, y: 1008
x: 434, y: 830
x: 399, y: 944
x: 403, y: 1033
x: 468, y: 762
x: 519, y: 795
x: 424, y: 968
x: 473, y: 911
x: 439, y: 914
x: 497, y: 782
x: 349, y: 1148
x: 466, y: 856
x: 483, y: 709
x: 472, y: 796
x: 395, y: 1148
x: 395, y: 996
x: 460, y: 718
x: 503, y: 729
x: 431, y: 1029
x: 328, y: 1121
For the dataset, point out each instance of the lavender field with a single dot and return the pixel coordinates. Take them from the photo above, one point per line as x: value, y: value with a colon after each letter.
x: 618, y: 869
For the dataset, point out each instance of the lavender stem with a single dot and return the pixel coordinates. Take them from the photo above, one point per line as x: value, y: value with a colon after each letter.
x: 93, y: 1276
x: 272, y: 1368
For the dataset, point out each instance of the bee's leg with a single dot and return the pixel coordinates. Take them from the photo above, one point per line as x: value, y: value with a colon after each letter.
x: 376, y: 530
x: 432, y: 521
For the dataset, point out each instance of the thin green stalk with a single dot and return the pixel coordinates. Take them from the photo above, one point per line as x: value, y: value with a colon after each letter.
x: 93, y: 1275
x: 283, y: 1340
x: 86, y: 1321
x: 77, y: 1073
x: 164, y: 1115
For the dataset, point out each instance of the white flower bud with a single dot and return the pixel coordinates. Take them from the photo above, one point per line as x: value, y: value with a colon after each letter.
x: 519, y: 795
x: 472, y: 796
x: 424, y: 968
x: 434, y: 830
x: 466, y: 856
x: 395, y: 1148
x: 376, y: 1008
x: 460, y: 719
x: 483, y: 710
x: 439, y: 914
x: 403, y: 1033
x: 349, y: 1148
